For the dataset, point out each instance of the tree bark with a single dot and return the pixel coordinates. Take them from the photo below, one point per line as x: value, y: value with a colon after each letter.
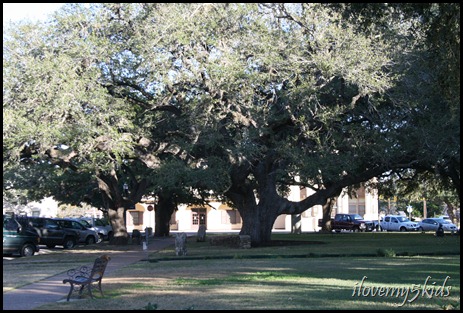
x: 296, y: 224
x: 164, y: 209
x: 117, y: 220
x: 258, y: 224
x: 258, y: 219
x: 327, y: 208
x: 117, y: 203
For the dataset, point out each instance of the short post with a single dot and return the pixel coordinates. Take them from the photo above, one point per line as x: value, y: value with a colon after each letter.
x: 146, y: 235
x: 180, y: 244
x: 201, y: 236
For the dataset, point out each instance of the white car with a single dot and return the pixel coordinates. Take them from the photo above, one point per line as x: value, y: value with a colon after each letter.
x: 104, y: 230
x: 432, y: 224
x: 445, y: 217
x: 397, y: 223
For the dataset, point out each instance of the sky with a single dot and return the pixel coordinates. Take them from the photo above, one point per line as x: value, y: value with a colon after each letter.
x: 32, y: 11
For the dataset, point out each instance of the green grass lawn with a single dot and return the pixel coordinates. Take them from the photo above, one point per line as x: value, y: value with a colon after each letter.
x: 325, y: 274
x: 343, y: 244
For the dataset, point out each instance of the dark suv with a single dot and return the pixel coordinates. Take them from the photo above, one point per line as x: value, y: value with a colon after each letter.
x: 18, y: 239
x: 87, y: 236
x: 52, y: 234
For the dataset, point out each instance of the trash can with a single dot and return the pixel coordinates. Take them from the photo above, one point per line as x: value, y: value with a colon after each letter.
x: 149, y: 231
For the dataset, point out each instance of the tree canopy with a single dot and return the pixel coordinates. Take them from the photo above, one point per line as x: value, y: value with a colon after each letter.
x: 237, y: 100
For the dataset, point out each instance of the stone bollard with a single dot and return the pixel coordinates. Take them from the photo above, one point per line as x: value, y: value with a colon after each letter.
x: 136, y: 237
x: 201, y: 236
x: 180, y: 244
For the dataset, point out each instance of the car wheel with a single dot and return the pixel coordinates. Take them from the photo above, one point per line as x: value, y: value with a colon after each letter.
x: 69, y: 243
x: 356, y: 230
x: 51, y: 246
x: 27, y: 250
x: 421, y: 229
x: 90, y: 240
x: 403, y: 228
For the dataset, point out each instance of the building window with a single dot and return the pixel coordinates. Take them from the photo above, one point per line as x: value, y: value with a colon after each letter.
x: 361, y: 209
x: 137, y: 218
x: 352, y: 208
x: 235, y: 217
x: 198, y: 216
x: 195, y: 218
x: 231, y: 217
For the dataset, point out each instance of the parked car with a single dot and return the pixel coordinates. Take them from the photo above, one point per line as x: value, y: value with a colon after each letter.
x: 85, y: 235
x: 18, y: 239
x: 51, y: 233
x: 445, y: 217
x: 87, y: 225
x: 352, y: 222
x: 432, y: 224
x: 101, y: 226
x: 397, y: 223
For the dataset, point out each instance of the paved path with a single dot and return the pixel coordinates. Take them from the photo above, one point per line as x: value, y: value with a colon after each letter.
x: 52, y: 289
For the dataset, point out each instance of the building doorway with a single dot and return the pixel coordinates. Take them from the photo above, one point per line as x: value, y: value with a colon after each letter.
x: 198, y: 217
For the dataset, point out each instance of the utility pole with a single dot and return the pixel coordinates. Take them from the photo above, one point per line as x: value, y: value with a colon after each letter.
x: 425, y: 210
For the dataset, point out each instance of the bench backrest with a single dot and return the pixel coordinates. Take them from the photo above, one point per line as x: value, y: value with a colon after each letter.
x: 99, y: 267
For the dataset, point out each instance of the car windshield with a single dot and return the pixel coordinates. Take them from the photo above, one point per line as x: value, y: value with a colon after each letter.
x: 357, y: 217
x: 101, y: 222
x: 85, y: 223
x: 403, y: 219
x: 442, y: 221
x: 10, y: 224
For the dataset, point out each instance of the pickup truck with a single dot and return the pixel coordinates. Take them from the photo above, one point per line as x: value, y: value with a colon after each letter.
x: 397, y: 223
x: 353, y: 222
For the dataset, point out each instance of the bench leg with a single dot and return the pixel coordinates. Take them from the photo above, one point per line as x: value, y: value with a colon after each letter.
x: 81, y: 290
x: 70, y: 291
x: 90, y: 290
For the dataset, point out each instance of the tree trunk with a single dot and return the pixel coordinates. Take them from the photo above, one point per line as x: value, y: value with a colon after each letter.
x: 117, y: 203
x: 327, y: 208
x: 117, y: 220
x: 258, y: 219
x: 296, y: 224
x: 164, y: 209
x: 258, y: 224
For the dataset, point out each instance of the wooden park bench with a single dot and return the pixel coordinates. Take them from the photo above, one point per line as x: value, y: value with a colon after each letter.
x: 86, y: 276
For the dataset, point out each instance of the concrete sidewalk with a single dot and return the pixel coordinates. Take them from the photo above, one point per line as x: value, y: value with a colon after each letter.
x: 52, y: 289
